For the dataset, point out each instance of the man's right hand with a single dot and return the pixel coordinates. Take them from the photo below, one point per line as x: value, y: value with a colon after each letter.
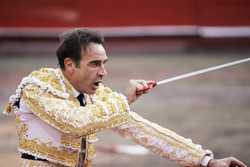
x: 138, y: 87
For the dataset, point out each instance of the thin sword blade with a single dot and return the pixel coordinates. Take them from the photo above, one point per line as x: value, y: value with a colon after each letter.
x: 202, y: 71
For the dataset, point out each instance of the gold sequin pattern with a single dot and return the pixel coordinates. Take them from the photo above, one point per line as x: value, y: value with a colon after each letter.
x: 161, y: 141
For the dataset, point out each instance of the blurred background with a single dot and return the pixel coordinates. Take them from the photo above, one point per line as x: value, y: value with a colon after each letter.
x: 150, y: 40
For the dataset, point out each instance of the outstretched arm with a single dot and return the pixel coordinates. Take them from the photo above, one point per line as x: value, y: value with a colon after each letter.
x: 163, y: 141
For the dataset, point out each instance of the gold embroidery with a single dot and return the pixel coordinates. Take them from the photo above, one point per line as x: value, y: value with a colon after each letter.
x: 33, y: 163
x: 43, y: 92
x: 43, y: 150
x: 97, y: 122
x: 48, y: 76
x: 162, y: 141
x: 91, y: 151
x: 70, y: 141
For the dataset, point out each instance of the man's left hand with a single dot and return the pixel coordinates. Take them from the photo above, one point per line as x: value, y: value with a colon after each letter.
x: 226, y: 162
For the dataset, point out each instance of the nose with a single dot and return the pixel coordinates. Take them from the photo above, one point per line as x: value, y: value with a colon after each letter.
x: 102, y: 71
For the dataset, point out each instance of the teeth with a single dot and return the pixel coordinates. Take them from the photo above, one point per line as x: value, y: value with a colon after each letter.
x: 97, y: 83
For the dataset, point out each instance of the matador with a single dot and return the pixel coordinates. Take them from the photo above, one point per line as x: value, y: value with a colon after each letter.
x: 59, y: 111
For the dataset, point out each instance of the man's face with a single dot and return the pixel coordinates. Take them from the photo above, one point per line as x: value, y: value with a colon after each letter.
x: 91, y: 69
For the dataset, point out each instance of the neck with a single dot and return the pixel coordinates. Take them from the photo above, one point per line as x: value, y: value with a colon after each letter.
x: 69, y: 77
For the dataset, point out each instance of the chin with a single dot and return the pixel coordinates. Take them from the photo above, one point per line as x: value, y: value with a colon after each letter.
x: 91, y: 91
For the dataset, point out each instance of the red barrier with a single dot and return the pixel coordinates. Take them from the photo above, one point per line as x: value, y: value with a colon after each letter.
x: 115, y: 13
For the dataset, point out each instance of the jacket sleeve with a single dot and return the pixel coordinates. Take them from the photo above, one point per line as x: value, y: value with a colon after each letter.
x: 67, y: 116
x: 162, y: 141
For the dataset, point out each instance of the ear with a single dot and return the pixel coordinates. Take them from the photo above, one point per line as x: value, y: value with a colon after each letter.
x: 69, y: 64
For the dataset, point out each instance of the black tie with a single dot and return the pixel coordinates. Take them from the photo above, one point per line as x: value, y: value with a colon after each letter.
x: 83, y: 146
x: 81, y: 99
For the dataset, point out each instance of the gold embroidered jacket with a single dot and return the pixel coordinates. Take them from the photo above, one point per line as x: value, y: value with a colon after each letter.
x: 51, y: 122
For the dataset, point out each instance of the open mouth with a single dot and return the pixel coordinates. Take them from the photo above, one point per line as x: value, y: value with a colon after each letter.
x: 96, y: 83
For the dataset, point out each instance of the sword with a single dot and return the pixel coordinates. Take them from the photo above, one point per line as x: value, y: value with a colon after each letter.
x: 202, y: 71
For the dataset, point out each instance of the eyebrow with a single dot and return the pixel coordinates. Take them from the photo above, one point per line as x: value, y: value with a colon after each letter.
x: 93, y: 61
x: 105, y: 61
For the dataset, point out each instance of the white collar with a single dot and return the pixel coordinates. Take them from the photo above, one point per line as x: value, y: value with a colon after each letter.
x: 75, y: 92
